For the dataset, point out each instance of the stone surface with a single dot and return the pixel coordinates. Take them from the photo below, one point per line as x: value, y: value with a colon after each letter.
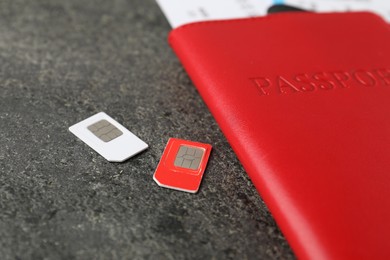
x: 63, y: 61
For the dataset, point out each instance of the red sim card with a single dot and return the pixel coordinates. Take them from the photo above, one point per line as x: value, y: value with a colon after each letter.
x: 182, y: 165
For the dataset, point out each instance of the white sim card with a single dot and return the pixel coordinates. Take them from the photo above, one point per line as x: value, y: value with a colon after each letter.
x: 107, y: 137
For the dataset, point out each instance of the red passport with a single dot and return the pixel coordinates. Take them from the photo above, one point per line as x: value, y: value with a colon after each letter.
x: 304, y: 101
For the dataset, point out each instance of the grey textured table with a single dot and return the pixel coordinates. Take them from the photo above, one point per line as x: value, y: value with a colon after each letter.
x: 63, y: 61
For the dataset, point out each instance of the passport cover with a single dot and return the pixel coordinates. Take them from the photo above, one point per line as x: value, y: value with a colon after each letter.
x: 304, y: 101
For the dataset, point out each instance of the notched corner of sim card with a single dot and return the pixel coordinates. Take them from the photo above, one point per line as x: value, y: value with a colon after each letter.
x: 125, y: 158
x: 173, y: 187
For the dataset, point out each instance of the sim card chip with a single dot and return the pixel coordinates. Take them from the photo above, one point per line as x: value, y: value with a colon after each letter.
x: 104, y: 130
x: 189, y: 157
